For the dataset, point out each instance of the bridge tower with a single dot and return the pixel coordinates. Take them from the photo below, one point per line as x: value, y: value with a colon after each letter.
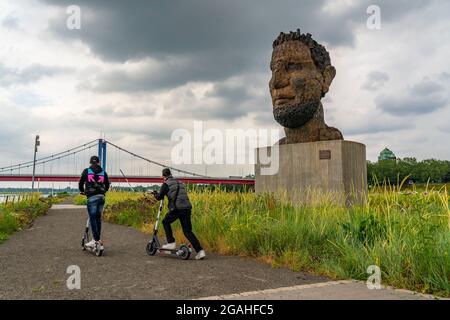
x: 102, y: 152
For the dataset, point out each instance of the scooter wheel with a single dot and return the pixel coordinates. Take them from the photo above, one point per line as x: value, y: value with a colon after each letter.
x: 83, y: 243
x: 98, y: 253
x: 185, y: 252
x: 151, y: 248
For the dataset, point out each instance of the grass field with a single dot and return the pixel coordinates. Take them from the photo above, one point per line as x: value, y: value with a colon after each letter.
x: 112, y: 198
x: 406, y: 234
x: 19, y: 215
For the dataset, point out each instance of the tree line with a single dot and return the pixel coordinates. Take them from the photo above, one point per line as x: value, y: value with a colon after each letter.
x: 394, y: 171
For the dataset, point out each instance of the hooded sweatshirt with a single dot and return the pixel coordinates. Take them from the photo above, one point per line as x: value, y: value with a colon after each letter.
x: 94, y: 181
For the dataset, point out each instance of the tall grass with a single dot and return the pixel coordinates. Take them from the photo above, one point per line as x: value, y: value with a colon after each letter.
x: 19, y: 215
x: 113, y: 197
x: 406, y: 234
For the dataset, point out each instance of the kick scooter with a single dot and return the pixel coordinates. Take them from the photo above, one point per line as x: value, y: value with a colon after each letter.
x: 154, y: 246
x: 86, y: 238
x: 96, y: 249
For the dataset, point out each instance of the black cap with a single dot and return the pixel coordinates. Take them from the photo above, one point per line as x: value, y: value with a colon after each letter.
x: 94, y: 160
x: 166, y: 172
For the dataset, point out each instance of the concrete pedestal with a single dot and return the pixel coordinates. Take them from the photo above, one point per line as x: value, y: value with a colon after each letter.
x: 316, y: 171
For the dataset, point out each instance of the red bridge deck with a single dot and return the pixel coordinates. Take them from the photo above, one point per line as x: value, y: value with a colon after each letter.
x: 117, y: 179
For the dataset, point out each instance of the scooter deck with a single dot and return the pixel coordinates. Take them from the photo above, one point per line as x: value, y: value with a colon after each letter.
x: 94, y: 251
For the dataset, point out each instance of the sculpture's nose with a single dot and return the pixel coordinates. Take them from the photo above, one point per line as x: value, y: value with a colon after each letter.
x: 279, y: 79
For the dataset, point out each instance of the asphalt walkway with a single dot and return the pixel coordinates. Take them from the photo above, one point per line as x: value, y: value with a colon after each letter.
x: 34, y: 265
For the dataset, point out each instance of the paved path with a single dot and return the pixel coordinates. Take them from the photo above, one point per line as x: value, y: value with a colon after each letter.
x: 34, y: 262
x: 331, y: 290
x: 33, y: 265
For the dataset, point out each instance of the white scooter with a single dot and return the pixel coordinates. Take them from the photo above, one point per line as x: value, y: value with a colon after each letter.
x: 97, y: 249
x: 154, y: 246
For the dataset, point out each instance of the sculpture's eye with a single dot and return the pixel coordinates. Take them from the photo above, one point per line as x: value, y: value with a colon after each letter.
x: 294, y: 67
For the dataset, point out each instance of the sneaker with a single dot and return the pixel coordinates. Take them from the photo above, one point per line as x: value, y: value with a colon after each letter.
x: 200, y: 255
x: 90, y: 244
x: 100, y: 245
x: 169, y: 246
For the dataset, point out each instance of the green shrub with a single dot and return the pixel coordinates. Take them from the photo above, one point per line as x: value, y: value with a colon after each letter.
x: 16, y: 216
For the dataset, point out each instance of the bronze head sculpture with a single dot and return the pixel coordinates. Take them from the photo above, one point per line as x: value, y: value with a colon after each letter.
x: 301, y: 75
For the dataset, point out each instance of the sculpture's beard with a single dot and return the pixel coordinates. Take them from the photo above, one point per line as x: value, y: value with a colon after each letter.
x: 295, y: 115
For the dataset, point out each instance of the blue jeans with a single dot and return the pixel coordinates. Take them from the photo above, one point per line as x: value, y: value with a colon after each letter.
x: 95, y: 206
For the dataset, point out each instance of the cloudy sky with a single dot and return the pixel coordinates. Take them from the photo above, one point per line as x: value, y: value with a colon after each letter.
x: 137, y: 70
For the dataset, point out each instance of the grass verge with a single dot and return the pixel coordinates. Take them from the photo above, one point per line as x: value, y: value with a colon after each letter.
x: 407, y: 234
x: 18, y: 216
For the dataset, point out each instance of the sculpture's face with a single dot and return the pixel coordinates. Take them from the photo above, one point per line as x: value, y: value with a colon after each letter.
x: 297, y: 85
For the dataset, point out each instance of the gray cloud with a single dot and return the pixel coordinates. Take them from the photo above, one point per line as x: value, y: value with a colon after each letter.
x: 177, y: 42
x: 29, y: 74
x: 407, y: 105
x: 205, y: 40
x: 113, y: 119
x: 424, y: 97
x: 16, y: 134
x: 375, y: 80
x: 372, y: 127
x: 444, y: 77
x: 200, y: 25
x: 10, y: 22
x: 265, y: 118
x: 130, y: 111
x: 426, y: 88
x: 232, y: 95
x: 444, y: 128
x: 29, y: 99
x: 227, y: 101
x: 166, y: 73
x: 178, y: 28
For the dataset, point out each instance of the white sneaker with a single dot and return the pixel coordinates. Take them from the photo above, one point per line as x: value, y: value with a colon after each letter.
x: 169, y: 246
x: 200, y: 255
x: 90, y: 244
x: 100, y: 245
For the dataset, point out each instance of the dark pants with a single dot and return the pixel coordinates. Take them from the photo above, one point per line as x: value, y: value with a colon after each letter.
x: 185, y: 220
x: 95, y: 206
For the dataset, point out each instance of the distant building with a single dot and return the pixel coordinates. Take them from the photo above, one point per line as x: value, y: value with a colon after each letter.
x: 386, y: 154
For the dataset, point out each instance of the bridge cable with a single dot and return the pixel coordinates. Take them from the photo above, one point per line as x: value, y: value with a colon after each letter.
x: 157, y: 163
x: 52, y: 158
x: 48, y: 157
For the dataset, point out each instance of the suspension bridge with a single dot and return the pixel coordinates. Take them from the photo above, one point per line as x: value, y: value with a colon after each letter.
x: 66, y: 166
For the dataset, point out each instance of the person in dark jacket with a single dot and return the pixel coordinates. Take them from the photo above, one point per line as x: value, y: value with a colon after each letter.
x: 94, y: 183
x: 179, y: 208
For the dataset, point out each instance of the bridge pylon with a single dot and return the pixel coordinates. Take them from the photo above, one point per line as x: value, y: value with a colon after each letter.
x: 102, y: 152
